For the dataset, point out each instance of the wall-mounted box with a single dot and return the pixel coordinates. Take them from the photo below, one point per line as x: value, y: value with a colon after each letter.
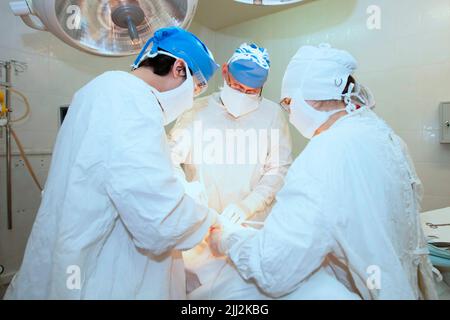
x: 445, y: 122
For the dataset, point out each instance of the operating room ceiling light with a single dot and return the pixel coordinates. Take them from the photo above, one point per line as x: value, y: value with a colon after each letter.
x: 105, y: 27
x: 268, y: 2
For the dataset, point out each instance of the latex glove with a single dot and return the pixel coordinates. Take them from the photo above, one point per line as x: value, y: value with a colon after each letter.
x: 219, y: 233
x: 235, y: 214
x: 197, y: 192
x: 213, y: 240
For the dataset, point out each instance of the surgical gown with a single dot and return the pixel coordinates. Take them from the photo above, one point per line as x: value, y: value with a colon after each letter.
x: 217, y: 149
x: 113, y: 217
x: 350, y: 206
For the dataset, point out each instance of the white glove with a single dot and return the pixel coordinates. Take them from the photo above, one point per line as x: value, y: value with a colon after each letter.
x: 218, y: 235
x: 235, y: 214
x: 197, y: 192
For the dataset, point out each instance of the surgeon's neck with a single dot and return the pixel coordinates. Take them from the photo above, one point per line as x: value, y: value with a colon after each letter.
x: 335, y: 117
x: 152, y: 79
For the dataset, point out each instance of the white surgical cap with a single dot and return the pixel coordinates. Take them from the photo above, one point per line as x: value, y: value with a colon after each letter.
x: 318, y: 73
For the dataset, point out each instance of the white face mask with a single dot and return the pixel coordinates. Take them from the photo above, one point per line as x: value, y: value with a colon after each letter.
x: 306, y: 119
x: 238, y: 103
x: 176, y: 101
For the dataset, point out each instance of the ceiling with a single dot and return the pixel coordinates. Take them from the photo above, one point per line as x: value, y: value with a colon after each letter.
x: 218, y: 14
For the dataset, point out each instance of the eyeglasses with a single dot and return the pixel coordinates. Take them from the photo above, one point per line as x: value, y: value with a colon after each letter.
x: 200, y: 84
x: 239, y: 87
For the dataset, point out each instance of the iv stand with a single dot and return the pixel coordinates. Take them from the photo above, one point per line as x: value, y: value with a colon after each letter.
x: 18, y: 68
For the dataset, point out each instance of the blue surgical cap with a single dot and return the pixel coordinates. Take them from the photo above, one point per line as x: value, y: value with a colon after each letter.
x: 250, y: 65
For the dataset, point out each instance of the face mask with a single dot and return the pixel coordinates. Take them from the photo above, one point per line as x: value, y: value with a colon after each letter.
x: 306, y: 119
x: 238, y: 103
x: 176, y: 101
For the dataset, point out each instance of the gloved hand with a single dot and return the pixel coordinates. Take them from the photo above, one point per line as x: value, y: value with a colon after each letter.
x: 197, y: 192
x: 219, y: 233
x: 213, y: 240
x: 235, y: 214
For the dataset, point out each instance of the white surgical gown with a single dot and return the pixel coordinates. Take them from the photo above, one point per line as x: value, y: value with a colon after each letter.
x: 113, y: 215
x: 350, y: 204
x: 219, y: 150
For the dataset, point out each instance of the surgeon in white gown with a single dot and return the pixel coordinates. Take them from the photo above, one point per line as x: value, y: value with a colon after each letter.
x: 346, y: 224
x: 114, y: 217
x: 241, y: 175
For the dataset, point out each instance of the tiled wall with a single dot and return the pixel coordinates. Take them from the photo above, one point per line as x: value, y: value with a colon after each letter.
x: 406, y: 64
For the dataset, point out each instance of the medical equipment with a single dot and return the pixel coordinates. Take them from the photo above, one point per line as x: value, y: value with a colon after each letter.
x: 268, y: 2
x: 439, y: 255
x: 435, y: 226
x: 5, y: 123
x: 106, y: 27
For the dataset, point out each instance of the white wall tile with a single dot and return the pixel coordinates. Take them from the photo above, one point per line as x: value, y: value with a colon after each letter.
x: 35, y: 78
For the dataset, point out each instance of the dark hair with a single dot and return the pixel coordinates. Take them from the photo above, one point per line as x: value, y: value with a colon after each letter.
x: 161, y: 64
x: 349, y: 81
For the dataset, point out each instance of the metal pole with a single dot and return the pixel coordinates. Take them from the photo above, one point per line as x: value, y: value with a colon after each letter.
x: 8, y: 148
